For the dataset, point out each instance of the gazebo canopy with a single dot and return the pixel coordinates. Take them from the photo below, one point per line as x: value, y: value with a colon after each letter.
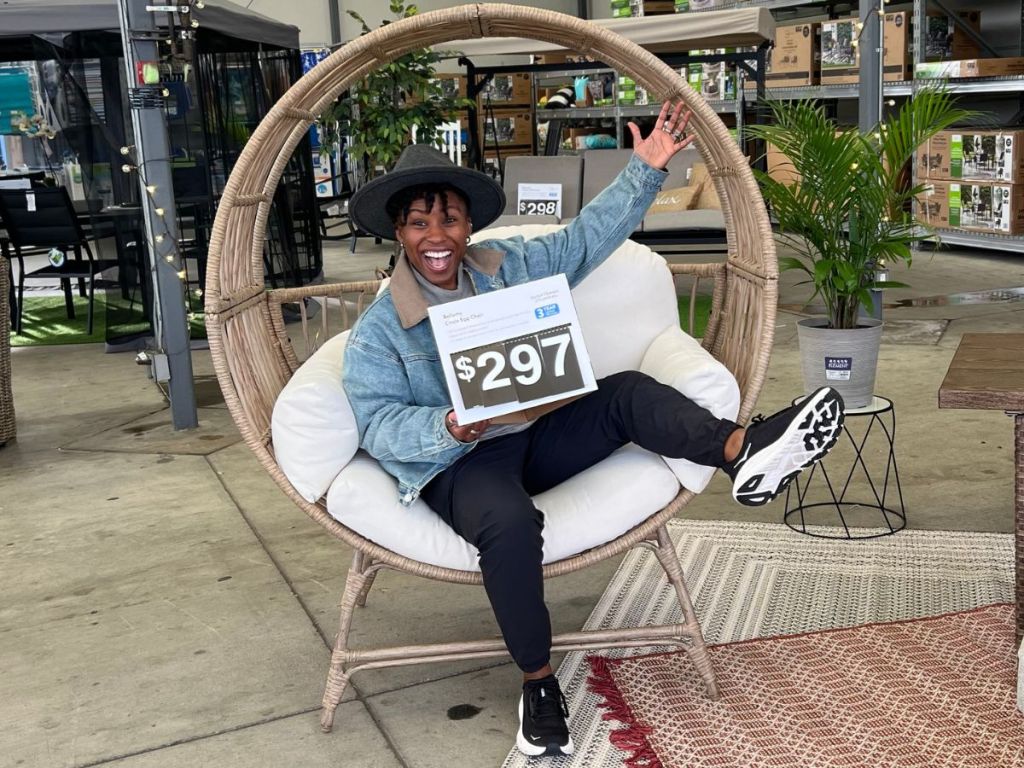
x: 19, y: 18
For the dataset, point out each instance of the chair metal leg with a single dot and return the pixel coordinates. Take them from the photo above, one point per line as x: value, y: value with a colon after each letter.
x: 337, y: 677
x: 20, y: 305
x: 81, y: 287
x: 696, y: 649
x: 69, y: 298
x: 91, y: 311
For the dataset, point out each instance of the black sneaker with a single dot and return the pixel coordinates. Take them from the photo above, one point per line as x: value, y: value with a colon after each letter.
x: 542, y: 713
x: 775, y: 449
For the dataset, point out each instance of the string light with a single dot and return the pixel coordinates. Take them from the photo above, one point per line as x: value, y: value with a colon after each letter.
x: 194, y: 24
x: 199, y: 4
x: 169, y: 258
x: 126, y: 151
x: 127, y: 168
x: 159, y: 238
x: 151, y: 188
x: 158, y: 211
x: 182, y: 274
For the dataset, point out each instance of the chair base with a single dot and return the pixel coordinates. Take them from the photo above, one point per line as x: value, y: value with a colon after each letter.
x: 345, y: 662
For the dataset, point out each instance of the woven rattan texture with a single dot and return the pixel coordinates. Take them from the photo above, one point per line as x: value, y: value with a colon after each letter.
x: 8, y: 428
x: 878, y: 695
x: 253, y: 355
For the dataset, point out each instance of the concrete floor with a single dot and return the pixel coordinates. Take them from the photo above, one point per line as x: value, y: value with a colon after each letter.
x: 165, y: 605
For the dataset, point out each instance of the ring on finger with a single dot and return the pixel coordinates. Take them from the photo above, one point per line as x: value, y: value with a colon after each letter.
x: 667, y: 128
x: 679, y: 135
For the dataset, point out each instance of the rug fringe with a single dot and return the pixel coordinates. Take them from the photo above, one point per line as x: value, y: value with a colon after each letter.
x: 633, y: 737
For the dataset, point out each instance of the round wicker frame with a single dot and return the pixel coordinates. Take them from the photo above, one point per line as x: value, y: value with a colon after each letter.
x: 253, y: 354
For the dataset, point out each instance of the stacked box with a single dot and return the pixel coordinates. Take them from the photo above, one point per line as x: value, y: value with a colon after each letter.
x: 685, y: 6
x: 974, y: 206
x: 796, y: 58
x: 840, y: 54
x: 508, y: 90
x: 509, y: 127
x: 975, y: 155
x: 1008, y: 65
x: 944, y: 40
x: 626, y: 90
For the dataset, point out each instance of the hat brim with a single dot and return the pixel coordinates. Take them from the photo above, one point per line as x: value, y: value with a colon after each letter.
x: 368, y: 205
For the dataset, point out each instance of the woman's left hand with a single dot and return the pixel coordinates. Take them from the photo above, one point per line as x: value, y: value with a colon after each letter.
x: 668, y: 137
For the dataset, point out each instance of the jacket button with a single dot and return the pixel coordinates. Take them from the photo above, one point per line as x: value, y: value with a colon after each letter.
x: 407, y: 497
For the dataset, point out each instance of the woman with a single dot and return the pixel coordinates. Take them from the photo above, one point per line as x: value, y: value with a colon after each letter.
x: 480, y: 477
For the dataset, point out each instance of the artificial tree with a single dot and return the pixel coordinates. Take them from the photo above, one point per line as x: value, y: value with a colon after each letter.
x: 378, y: 114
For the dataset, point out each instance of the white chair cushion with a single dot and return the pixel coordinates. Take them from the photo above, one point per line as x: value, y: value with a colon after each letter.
x: 622, y: 305
x: 677, y: 360
x: 312, y: 426
x: 590, y: 509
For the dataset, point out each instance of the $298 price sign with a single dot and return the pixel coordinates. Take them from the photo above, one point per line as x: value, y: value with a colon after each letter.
x: 538, y: 207
x: 519, y: 369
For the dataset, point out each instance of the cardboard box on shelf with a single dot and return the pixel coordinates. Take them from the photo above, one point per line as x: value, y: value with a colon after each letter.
x: 779, y: 166
x: 944, y: 40
x: 796, y: 58
x: 839, y: 60
x: 657, y: 7
x: 513, y: 89
x: 978, y: 206
x: 685, y: 6
x: 896, y: 59
x: 840, y: 52
x: 977, y: 155
x: 1004, y: 67
x: 453, y: 86
x: 509, y: 126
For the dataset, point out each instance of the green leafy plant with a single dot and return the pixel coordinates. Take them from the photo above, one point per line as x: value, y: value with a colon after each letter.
x: 850, y: 212
x: 380, y: 112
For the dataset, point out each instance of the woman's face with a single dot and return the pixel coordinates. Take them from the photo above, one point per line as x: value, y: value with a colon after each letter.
x: 435, y: 237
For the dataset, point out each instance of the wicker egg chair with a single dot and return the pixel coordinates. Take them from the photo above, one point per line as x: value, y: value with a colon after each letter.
x: 254, y: 356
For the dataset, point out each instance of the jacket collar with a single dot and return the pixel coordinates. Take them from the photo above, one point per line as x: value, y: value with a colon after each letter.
x: 405, y: 291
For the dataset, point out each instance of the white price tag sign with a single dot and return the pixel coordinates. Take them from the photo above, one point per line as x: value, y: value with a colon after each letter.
x: 512, y: 350
x: 30, y: 201
x: 540, y: 200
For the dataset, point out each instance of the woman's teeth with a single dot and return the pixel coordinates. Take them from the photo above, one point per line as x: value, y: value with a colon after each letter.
x: 437, y: 259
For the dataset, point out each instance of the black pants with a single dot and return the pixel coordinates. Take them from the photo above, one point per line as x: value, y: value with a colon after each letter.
x: 485, y: 495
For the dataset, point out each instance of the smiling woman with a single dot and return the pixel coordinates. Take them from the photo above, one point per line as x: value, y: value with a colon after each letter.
x: 433, y: 230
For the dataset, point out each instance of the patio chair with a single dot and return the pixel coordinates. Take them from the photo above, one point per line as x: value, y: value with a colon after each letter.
x: 37, y: 220
x: 254, y: 356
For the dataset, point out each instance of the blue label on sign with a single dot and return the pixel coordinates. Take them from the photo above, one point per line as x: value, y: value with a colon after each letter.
x: 546, y: 311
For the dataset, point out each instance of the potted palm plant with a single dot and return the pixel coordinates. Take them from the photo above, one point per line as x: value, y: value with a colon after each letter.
x: 847, y: 215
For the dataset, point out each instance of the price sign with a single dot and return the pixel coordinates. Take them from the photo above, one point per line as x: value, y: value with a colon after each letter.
x: 518, y: 370
x: 509, y: 351
x: 540, y: 200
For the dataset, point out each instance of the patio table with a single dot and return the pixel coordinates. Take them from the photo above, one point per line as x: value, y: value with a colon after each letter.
x: 987, y: 372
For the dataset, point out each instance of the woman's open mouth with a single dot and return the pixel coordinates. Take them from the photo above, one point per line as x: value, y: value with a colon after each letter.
x: 437, y: 261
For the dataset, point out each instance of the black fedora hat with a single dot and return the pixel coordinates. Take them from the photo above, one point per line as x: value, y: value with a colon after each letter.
x: 419, y: 165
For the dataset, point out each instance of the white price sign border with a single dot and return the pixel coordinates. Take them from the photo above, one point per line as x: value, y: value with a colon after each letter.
x: 507, y: 315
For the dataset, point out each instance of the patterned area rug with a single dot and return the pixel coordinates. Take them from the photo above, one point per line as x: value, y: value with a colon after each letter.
x: 912, y: 694
x: 750, y: 580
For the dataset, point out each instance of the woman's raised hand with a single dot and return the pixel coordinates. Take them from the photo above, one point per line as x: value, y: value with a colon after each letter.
x: 668, y: 137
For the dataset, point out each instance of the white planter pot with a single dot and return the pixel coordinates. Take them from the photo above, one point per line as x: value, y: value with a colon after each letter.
x: 844, y: 359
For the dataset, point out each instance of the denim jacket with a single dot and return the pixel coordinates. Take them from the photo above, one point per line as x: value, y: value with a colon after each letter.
x: 392, y: 370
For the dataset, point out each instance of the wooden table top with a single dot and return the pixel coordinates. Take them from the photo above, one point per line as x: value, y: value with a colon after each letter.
x: 987, y: 372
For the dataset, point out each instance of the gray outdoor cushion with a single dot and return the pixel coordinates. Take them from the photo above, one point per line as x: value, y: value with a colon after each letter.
x: 701, y: 218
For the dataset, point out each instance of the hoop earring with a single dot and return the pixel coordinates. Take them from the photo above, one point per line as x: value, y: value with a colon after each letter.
x: 468, y: 239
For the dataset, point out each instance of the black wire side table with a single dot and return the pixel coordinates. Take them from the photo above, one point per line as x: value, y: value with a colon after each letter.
x: 823, y: 495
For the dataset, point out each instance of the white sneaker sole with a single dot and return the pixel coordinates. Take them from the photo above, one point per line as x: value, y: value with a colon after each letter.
x: 809, y: 437
x: 534, y: 750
